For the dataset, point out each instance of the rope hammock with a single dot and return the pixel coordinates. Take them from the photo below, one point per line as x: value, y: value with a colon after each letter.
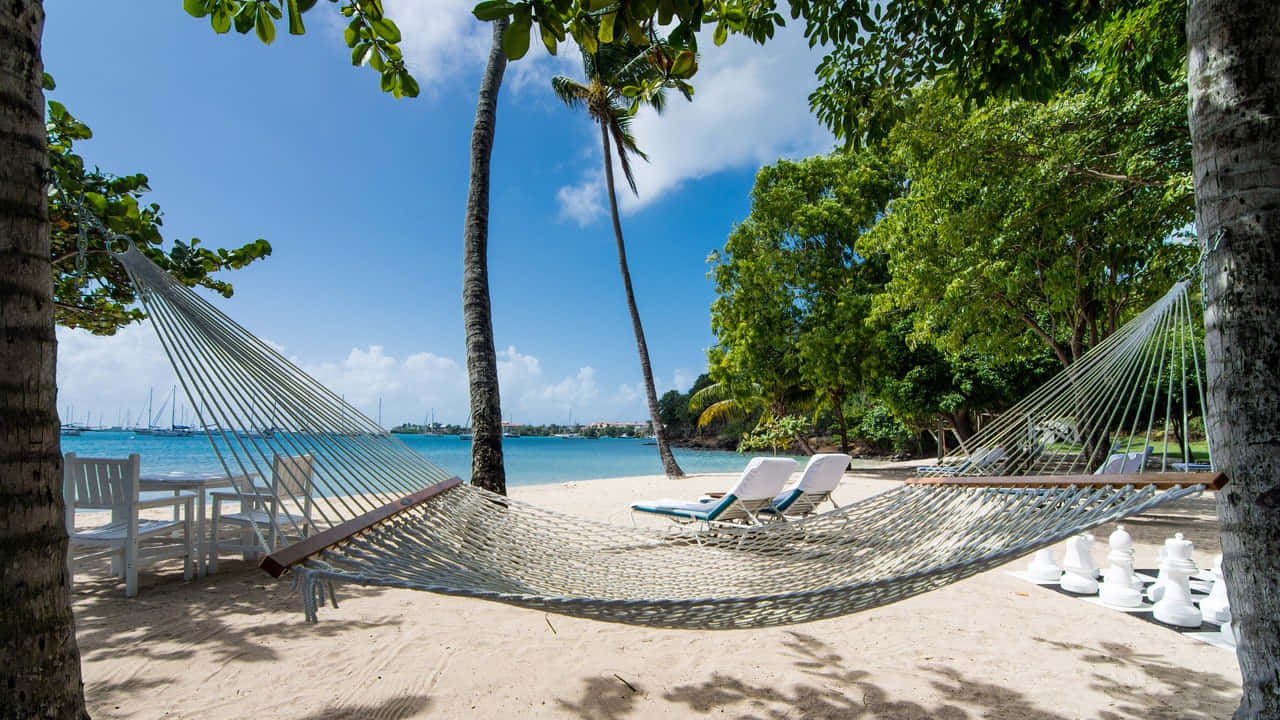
x: 1133, y: 395
x: 381, y: 514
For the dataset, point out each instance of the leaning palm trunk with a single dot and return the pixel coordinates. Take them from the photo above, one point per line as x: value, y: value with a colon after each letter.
x: 1234, y: 89
x: 669, y: 464
x: 41, y: 673
x: 487, y: 470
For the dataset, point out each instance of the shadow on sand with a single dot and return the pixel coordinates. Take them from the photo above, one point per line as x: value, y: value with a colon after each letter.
x: 836, y: 690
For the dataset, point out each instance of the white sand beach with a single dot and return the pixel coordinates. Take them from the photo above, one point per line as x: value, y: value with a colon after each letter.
x: 234, y: 645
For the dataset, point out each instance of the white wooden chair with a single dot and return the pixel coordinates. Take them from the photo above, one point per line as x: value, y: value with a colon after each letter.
x: 281, y: 510
x: 112, y: 484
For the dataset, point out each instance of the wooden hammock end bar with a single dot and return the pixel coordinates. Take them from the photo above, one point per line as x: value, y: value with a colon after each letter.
x: 286, y: 557
x: 1161, y: 481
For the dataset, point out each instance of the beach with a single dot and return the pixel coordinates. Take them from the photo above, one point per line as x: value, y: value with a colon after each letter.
x: 234, y: 645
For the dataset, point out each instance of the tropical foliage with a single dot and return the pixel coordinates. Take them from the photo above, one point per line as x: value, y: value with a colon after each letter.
x: 91, y: 290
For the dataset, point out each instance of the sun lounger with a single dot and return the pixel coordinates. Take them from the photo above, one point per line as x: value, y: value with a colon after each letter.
x: 816, y: 483
x: 759, y: 484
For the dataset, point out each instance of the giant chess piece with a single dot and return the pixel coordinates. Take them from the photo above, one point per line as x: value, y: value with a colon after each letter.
x: 1080, y: 572
x: 1215, y: 608
x: 1042, y: 567
x: 1227, y: 634
x: 1175, y: 607
x: 1117, y: 587
x: 1156, y: 591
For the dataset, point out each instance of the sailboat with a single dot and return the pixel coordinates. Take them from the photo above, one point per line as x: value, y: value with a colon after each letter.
x: 174, y: 430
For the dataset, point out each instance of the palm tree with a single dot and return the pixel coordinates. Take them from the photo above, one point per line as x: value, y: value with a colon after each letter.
x: 615, y: 72
x: 37, y: 633
x: 487, y: 469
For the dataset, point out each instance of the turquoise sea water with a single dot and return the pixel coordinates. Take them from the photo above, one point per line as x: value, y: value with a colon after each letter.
x: 529, y: 460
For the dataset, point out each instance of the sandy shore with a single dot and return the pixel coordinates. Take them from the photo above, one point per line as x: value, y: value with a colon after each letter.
x: 234, y: 645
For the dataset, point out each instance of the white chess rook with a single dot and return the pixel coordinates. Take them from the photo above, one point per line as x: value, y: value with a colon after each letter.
x: 1117, y: 586
x: 1175, y: 606
x: 1080, y: 572
x: 1216, y: 608
x: 1042, y: 567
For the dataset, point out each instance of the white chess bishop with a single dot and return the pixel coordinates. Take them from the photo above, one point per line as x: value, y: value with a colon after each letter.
x: 1216, y: 608
x: 1175, y: 606
x: 1080, y: 573
x: 1042, y: 568
x: 1117, y: 586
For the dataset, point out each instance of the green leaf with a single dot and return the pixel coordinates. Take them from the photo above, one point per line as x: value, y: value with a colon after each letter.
x: 515, y: 41
x: 376, y: 62
x: 305, y: 5
x: 548, y: 38
x: 195, y: 8
x: 408, y: 84
x: 359, y: 52
x: 295, y: 19
x: 721, y: 33
x: 491, y: 10
x: 351, y: 35
x: 386, y: 29
x: 46, y: 81
x: 387, y: 81
x: 606, y: 28
x: 585, y: 38
x: 685, y: 65
x: 220, y: 20
x: 266, y: 27
x: 246, y: 17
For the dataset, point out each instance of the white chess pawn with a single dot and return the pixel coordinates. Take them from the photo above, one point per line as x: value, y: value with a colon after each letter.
x: 1156, y: 591
x: 1042, y: 567
x: 1175, y: 606
x: 1078, y: 565
x: 1216, y: 608
x: 1117, y: 585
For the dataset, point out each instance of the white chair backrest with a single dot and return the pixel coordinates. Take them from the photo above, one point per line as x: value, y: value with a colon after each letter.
x: 1121, y: 463
x: 291, y: 476
x: 823, y: 473
x: 763, y: 478
x: 100, y: 483
x: 988, y: 456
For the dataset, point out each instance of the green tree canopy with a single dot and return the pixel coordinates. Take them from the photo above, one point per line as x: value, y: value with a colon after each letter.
x: 1029, y: 223
x: 794, y: 293
x: 91, y: 290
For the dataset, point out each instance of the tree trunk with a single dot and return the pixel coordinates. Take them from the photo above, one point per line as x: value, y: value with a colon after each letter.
x: 40, y: 677
x: 1234, y: 92
x: 837, y: 401
x: 962, y: 423
x: 487, y: 470
x: 669, y: 465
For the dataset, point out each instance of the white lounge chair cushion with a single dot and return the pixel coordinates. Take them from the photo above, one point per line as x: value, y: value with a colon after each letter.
x: 763, y: 478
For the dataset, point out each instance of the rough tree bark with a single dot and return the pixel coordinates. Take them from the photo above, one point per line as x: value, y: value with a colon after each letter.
x: 1234, y: 91
x: 487, y: 469
x: 669, y: 464
x: 40, y: 677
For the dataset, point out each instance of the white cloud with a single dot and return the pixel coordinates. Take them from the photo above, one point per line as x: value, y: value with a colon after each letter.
x: 108, y: 380
x: 584, y: 202
x: 440, y: 39
x: 751, y: 107
x: 443, y: 43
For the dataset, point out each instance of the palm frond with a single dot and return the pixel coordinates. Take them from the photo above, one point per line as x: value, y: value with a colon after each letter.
x: 626, y: 146
x: 570, y: 91
x: 723, y: 411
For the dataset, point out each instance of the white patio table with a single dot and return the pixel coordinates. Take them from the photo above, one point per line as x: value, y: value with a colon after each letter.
x: 177, y: 481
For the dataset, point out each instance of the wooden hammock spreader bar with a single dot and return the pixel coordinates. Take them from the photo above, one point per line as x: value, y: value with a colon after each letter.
x: 1160, y: 481
x: 286, y: 557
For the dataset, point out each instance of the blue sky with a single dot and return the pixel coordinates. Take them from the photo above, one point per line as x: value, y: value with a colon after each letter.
x: 362, y: 198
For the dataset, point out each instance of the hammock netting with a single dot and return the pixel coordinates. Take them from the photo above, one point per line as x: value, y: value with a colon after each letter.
x: 256, y: 406
x: 1135, y: 393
